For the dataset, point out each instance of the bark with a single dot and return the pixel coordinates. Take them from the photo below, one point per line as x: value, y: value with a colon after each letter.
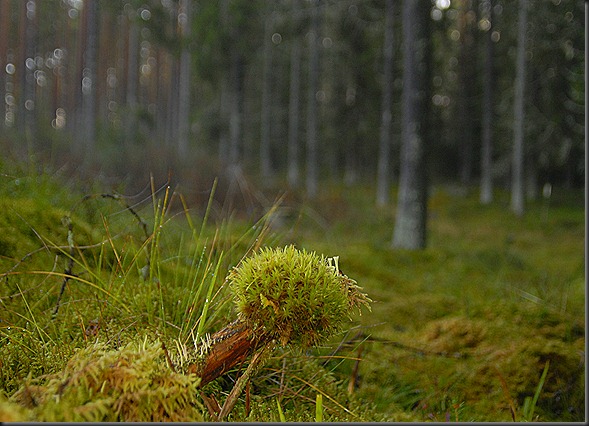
x: 486, y: 190
x: 383, y: 173
x: 517, y: 165
x: 5, y: 30
x: 236, y: 108
x: 227, y: 349
x: 184, y: 80
x: 467, y: 79
x: 410, y: 220
x: 312, y: 166
x: 132, y: 74
x: 87, y: 138
x: 294, y: 114
x: 265, y: 119
x: 26, y: 68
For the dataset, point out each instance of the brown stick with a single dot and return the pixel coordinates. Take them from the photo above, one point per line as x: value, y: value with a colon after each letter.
x: 229, y: 347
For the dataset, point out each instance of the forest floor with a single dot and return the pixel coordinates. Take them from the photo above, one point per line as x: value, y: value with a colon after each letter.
x: 486, y: 324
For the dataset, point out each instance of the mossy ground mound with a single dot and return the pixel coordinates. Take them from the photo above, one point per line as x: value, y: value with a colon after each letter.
x: 132, y: 384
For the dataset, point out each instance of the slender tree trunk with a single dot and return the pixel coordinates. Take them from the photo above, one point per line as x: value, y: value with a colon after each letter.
x: 411, y: 215
x: 5, y: 28
x: 132, y: 79
x: 29, y: 83
x: 383, y: 173
x: 517, y: 165
x: 89, y: 81
x: 294, y: 113
x: 312, y: 172
x: 467, y: 83
x: 236, y: 108
x: 184, y: 80
x: 265, y: 119
x: 486, y: 194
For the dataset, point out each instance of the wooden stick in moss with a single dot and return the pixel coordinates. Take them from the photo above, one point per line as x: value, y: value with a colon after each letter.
x: 283, y: 296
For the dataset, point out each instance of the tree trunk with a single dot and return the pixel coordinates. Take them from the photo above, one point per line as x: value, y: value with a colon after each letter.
x: 486, y: 195
x: 235, y: 108
x: 184, y: 81
x: 265, y: 119
x: 5, y: 28
x: 312, y: 172
x: 132, y: 77
x: 293, y: 112
x: 87, y: 138
x: 410, y: 220
x: 517, y: 165
x: 383, y: 178
x: 29, y: 83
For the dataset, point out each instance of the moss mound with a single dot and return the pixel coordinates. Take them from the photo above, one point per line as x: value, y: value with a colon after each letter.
x: 98, y: 384
x: 293, y: 296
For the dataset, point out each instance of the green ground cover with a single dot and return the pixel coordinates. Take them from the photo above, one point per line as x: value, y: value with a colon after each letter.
x: 460, y: 331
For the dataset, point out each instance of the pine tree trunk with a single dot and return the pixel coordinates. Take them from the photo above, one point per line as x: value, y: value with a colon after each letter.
x: 486, y: 194
x: 517, y: 165
x: 312, y: 172
x: 383, y: 172
x: 87, y: 138
x: 184, y: 83
x: 294, y: 113
x: 265, y: 119
x: 411, y: 215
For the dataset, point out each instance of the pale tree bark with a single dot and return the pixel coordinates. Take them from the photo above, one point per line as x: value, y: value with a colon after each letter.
x: 235, y: 109
x: 467, y: 80
x: 184, y: 21
x: 4, y: 35
x: 265, y: 119
x: 383, y: 172
x: 132, y: 78
x: 312, y: 160
x: 236, y: 95
x: 517, y: 164
x: 87, y: 138
x: 294, y: 113
x: 486, y: 189
x: 411, y: 214
x: 29, y: 92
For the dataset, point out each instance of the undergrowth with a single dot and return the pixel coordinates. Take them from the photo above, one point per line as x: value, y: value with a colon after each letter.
x: 461, y: 331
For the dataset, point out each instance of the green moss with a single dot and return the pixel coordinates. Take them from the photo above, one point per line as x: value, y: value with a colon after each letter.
x: 293, y: 296
x: 98, y: 384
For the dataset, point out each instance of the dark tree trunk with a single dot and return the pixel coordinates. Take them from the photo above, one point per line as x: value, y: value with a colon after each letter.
x: 486, y: 195
x: 184, y: 83
x: 89, y: 81
x: 383, y: 173
x: 517, y: 165
x: 312, y: 166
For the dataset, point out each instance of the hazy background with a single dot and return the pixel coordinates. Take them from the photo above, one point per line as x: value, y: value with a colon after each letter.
x: 290, y: 93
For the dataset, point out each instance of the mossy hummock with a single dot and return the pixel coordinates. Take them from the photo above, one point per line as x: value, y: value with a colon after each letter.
x: 283, y: 296
x: 293, y: 296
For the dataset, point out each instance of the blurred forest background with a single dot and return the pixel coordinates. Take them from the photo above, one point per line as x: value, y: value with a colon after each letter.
x: 295, y: 92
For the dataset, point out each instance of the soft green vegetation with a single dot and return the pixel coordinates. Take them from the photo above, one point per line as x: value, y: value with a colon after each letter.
x: 486, y: 324
x: 293, y: 296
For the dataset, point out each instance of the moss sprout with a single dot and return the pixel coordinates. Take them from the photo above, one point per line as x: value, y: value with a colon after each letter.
x: 293, y: 296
